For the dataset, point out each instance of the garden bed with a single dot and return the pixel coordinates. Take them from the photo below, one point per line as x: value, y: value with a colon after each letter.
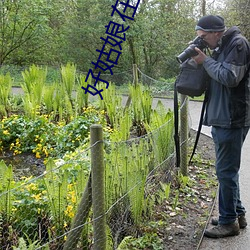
x: 186, y: 224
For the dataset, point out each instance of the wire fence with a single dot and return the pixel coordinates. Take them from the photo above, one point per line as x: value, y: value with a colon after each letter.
x: 55, y: 210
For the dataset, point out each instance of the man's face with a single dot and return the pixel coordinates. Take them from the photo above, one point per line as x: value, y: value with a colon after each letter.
x: 211, y: 38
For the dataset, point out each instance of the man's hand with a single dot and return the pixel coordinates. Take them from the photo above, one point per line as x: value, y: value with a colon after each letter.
x: 200, y: 58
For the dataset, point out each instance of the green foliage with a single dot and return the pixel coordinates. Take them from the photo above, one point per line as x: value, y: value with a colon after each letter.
x: 147, y: 241
x: 126, y: 172
x: 57, y: 188
x: 33, y: 85
x: 6, y: 184
x: 48, y: 98
x: 68, y: 73
x: 30, y: 206
x: 5, y: 89
x: 29, y: 245
x: 22, y: 23
x: 164, y: 191
x: 161, y: 126
x: 82, y: 98
x: 54, y: 197
x: 43, y: 137
x: 141, y: 104
x: 43, y: 32
x: 114, y: 108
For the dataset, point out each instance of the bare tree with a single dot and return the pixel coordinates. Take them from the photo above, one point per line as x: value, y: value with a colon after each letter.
x: 19, y: 23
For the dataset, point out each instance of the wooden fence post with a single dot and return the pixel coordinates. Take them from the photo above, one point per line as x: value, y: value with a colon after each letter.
x: 184, y: 135
x: 98, y: 185
x: 135, y: 74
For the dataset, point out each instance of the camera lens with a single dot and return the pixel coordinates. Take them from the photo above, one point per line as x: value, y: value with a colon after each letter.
x: 187, y: 53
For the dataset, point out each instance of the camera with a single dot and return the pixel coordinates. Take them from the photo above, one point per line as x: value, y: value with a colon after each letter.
x: 190, y: 51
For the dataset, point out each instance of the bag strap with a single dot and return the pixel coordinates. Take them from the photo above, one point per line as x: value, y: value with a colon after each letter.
x: 199, y: 127
x: 176, y: 126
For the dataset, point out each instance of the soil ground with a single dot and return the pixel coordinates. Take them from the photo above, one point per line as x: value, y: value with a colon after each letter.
x: 188, y: 221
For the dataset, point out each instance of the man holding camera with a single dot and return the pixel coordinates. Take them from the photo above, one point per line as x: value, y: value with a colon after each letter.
x: 228, y: 112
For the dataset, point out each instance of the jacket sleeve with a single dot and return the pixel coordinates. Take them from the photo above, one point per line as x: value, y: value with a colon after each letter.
x: 234, y: 66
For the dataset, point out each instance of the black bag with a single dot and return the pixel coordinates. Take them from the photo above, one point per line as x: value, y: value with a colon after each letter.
x: 192, y: 80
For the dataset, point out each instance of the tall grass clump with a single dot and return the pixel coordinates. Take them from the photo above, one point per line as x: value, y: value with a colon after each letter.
x: 5, y: 90
x: 161, y: 130
x: 68, y: 74
x: 82, y: 99
x: 112, y: 108
x: 34, y: 80
x: 141, y: 106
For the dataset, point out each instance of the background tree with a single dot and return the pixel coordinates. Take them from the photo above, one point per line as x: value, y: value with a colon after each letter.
x: 237, y: 13
x: 21, y: 26
x: 54, y: 32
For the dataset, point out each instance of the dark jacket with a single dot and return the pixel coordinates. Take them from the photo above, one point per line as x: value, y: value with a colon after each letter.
x: 228, y: 103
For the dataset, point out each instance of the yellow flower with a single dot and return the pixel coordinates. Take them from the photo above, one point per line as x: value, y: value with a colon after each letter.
x: 45, y: 151
x: 69, y: 211
x: 73, y: 199
x: 12, y: 145
x: 38, y: 155
x: 6, y: 132
x: 37, y: 196
x: 31, y: 187
x: 14, y: 209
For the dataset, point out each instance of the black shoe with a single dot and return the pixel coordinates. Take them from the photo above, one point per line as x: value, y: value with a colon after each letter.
x: 221, y: 231
x: 241, y: 219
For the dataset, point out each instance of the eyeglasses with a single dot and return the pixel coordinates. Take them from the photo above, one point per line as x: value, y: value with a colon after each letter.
x: 203, y: 36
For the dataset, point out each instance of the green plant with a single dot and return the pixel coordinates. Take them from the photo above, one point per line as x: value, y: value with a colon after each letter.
x: 184, y: 181
x: 82, y: 99
x: 126, y: 173
x: 113, y: 109
x: 56, y: 187
x: 161, y: 128
x: 30, y: 208
x: 176, y: 199
x: 5, y: 89
x: 23, y: 246
x: 43, y: 137
x: 147, y: 241
x: 6, y: 196
x: 68, y: 74
x: 164, y: 191
x: 33, y: 86
x: 48, y: 98
x: 141, y: 104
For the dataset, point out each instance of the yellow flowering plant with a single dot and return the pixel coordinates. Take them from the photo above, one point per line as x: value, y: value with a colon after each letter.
x: 44, y: 137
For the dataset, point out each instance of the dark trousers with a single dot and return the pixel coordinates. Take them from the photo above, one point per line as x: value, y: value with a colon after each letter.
x: 228, y: 145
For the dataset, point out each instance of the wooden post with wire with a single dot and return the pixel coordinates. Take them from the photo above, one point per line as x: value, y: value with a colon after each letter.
x: 184, y: 135
x: 98, y: 187
x: 135, y: 74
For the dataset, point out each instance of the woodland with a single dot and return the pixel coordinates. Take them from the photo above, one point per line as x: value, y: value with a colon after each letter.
x: 52, y: 33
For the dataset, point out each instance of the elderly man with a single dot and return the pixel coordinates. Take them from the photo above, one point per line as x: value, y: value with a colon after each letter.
x: 228, y: 112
